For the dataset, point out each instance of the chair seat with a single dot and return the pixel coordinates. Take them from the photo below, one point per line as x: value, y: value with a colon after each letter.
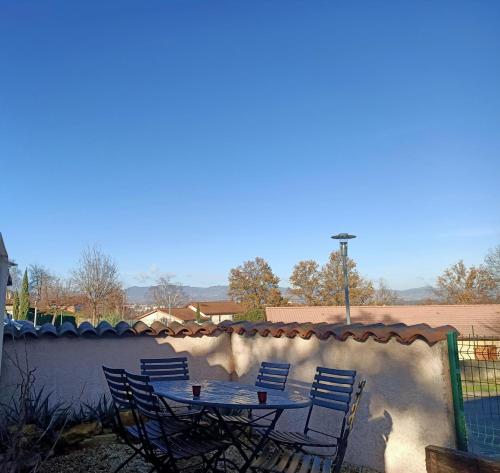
x: 186, y: 446
x: 299, y: 438
x: 170, y: 427
x: 289, y: 462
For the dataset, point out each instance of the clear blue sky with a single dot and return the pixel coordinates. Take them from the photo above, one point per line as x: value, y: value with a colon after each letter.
x: 189, y: 136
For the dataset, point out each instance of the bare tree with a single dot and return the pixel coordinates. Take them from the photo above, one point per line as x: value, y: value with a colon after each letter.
x: 40, y: 280
x: 384, y: 295
x: 167, y: 293
x: 96, y: 278
x: 492, y: 265
x: 59, y: 296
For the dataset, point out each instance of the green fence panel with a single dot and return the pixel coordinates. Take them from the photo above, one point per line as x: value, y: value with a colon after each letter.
x: 456, y: 389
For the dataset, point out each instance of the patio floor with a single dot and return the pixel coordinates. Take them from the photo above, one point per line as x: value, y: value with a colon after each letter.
x: 104, y: 454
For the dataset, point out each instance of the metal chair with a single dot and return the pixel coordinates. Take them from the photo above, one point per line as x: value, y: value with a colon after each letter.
x: 273, y: 375
x: 169, y: 369
x: 331, y: 389
x: 162, y: 449
x: 165, y: 369
x: 121, y: 397
x: 286, y: 461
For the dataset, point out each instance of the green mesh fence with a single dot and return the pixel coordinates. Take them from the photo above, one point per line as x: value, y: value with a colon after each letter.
x: 480, y: 377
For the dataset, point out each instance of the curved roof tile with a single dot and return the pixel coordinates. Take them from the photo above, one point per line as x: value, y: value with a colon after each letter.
x: 48, y: 329
x: 142, y: 329
x: 382, y: 333
x: 67, y: 329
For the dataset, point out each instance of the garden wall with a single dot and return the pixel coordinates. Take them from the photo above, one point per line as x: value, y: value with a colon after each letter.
x: 406, y: 406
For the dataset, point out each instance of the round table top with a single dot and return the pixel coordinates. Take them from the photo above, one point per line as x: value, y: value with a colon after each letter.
x: 228, y: 394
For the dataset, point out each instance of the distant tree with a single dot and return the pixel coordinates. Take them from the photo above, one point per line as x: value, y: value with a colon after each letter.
x: 254, y: 284
x: 383, y: 295
x: 332, y: 283
x: 252, y: 315
x: 306, y: 282
x: 58, y: 297
x: 198, y: 313
x: 40, y: 280
x: 462, y: 285
x: 24, y: 298
x: 492, y: 265
x: 167, y: 293
x: 96, y: 278
x: 15, y: 306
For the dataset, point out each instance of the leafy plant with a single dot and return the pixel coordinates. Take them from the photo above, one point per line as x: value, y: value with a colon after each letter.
x: 101, y: 410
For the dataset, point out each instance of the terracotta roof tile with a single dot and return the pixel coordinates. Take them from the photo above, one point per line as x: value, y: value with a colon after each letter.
x: 382, y: 333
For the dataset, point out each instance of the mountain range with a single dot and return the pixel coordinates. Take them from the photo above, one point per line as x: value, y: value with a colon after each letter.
x: 141, y: 294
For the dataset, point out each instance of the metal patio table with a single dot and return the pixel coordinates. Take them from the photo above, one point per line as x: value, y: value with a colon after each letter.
x: 219, y: 395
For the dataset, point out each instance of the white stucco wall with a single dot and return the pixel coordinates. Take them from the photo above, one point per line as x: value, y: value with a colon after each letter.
x: 71, y: 367
x: 406, y: 406
x: 407, y: 403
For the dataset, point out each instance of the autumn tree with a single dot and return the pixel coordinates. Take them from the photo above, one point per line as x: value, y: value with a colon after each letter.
x: 24, y: 298
x: 332, y: 283
x: 167, y: 293
x: 306, y: 282
x: 96, y: 278
x: 383, y: 295
x: 462, y: 285
x: 255, y: 285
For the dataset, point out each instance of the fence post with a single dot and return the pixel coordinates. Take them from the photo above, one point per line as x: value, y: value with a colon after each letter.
x: 456, y: 389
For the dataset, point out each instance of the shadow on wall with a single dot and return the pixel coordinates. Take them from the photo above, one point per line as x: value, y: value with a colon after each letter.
x: 405, y: 405
x: 72, y: 368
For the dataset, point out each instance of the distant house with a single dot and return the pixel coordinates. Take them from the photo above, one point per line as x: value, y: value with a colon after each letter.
x: 217, y: 311
x: 480, y: 319
x: 164, y: 315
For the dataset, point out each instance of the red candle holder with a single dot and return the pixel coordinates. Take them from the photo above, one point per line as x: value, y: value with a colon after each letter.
x: 196, y: 391
x: 262, y: 395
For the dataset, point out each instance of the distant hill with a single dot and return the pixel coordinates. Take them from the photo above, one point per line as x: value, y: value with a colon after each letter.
x: 140, y: 294
x: 416, y: 294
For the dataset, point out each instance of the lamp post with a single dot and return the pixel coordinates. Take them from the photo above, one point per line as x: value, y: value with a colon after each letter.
x: 344, y: 239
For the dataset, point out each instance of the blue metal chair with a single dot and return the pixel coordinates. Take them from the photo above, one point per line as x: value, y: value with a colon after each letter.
x: 165, y: 369
x: 169, y: 369
x: 331, y: 389
x: 272, y: 375
x: 297, y: 460
x: 163, y: 449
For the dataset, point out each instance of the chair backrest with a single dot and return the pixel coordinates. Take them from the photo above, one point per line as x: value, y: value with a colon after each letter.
x: 165, y: 369
x: 272, y: 375
x: 120, y: 392
x: 144, y: 399
x: 342, y: 445
x: 118, y: 388
x: 331, y: 389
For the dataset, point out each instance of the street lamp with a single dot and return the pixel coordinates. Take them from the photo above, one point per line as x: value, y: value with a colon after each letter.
x: 344, y: 239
